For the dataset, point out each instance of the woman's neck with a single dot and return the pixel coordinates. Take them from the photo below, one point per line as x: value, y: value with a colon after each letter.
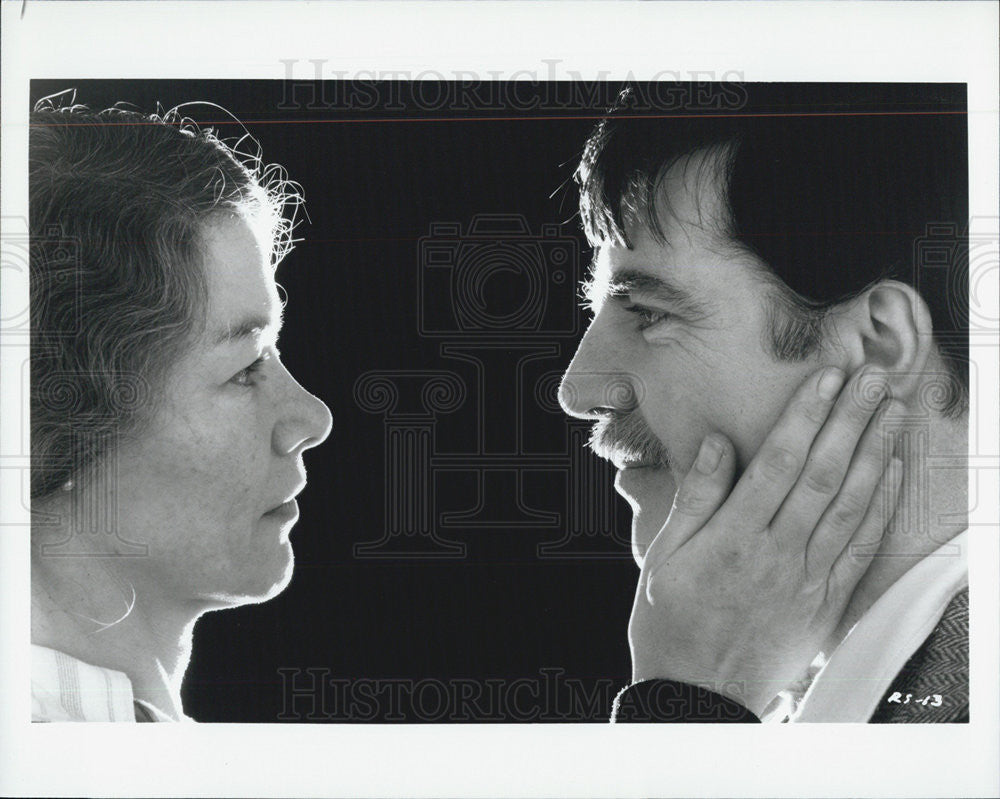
x: 90, y: 609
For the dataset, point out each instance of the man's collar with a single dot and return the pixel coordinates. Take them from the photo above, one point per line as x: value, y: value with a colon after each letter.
x: 860, y: 670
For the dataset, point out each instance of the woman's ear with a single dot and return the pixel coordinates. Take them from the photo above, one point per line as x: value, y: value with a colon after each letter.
x: 889, y: 327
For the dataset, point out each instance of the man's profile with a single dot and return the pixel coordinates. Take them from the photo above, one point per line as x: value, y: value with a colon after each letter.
x: 734, y: 256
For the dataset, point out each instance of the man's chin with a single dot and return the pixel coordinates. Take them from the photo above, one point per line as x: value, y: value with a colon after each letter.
x: 649, y: 491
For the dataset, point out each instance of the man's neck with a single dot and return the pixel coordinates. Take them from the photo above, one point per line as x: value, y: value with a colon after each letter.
x: 89, y: 610
x: 932, y: 509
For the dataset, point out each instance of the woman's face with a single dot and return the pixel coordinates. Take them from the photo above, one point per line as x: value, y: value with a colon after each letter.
x: 207, y: 487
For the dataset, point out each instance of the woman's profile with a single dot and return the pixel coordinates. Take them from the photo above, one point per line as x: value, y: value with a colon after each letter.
x: 167, y: 436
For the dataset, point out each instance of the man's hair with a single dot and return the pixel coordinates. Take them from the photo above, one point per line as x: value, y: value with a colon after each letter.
x: 119, y: 202
x: 834, y: 188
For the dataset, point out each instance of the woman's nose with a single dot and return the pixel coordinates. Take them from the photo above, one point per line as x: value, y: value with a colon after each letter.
x: 306, y: 423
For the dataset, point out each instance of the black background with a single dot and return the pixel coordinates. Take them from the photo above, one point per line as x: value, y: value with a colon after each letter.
x: 378, y: 169
x: 526, y: 619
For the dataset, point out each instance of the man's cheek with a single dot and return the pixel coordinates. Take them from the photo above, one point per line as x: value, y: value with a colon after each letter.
x: 756, y: 421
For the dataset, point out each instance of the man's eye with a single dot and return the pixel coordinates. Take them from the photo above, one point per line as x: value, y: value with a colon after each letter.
x: 248, y: 375
x: 647, y: 316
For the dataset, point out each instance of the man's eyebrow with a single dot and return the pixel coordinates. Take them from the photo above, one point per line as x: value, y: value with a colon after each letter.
x: 632, y: 281
x: 248, y: 327
x: 625, y: 282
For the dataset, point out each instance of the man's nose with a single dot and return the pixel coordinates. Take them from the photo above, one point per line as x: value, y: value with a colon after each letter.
x: 595, y: 383
x: 306, y: 423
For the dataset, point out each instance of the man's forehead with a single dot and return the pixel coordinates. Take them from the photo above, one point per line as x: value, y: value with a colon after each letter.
x: 687, y: 211
x: 692, y: 231
x: 646, y: 255
x: 626, y: 272
x: 691, y: 271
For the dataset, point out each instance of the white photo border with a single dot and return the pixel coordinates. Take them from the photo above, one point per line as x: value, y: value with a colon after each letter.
x: 758, y: 41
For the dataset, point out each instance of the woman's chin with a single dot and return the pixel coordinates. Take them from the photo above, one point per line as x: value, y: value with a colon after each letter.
x: 263, y: 584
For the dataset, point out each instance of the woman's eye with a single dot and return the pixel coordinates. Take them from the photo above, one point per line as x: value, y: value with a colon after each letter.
x: 247, y: 376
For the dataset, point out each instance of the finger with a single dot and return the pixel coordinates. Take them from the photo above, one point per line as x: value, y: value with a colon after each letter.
x: 840, y: 521
x: 852, y: 563
x: 777, y: 464
x: 701, y: 493
x: 835, y: 450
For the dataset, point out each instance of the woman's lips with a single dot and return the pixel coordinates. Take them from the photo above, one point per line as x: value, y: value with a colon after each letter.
x: 284, y: 513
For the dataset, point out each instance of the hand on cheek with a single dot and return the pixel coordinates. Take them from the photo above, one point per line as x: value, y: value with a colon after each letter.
x: 743, y: 584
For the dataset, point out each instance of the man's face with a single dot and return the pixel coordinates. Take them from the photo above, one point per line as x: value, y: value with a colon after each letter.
x: 205, y: 486
x: 678, y: 348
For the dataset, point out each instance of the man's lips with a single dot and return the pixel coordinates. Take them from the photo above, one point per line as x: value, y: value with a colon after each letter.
x: 625, y: 466
x: 640, y: 482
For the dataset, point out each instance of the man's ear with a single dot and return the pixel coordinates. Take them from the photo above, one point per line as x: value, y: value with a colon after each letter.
x: 889, y: 327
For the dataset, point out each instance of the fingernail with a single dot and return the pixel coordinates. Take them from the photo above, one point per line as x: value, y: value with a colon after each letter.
x: 830, y: 383
x: 709, y: 455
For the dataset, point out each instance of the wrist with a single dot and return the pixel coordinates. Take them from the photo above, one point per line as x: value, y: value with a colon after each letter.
x: 753, y: 694
x: 674, y: 701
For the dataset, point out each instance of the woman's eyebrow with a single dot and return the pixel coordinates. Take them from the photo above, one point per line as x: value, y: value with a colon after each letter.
x: 248, y: 327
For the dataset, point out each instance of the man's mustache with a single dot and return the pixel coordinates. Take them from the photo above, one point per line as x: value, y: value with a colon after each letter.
x: 625, y: 438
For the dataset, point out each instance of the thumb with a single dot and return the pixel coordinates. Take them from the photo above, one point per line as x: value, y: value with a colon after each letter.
x: 700, y: 495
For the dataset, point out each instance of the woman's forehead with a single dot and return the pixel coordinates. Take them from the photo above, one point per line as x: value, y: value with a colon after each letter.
x: 242, y: 293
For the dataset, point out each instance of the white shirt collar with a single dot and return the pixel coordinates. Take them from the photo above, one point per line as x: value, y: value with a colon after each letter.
x: 862, y: 668
x: 66, y: 689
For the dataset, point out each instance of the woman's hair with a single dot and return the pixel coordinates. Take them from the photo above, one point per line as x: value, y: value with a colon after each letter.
x: 118, y: 204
